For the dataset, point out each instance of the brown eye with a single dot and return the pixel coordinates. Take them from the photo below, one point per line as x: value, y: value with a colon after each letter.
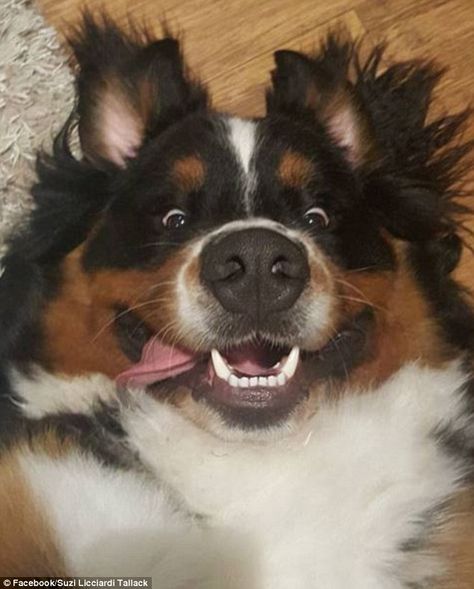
x: 316, y: 217
x: 174, y: 219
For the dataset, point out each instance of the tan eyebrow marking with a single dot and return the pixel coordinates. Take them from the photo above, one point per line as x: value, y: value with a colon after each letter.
x: 294, y: 169
x: 189, y: 173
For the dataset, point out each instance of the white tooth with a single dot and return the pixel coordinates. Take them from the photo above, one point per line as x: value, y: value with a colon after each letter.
x: 233, y: 380
x: 253, y: 381
x: 281, y: 379
x: 291, y: 363
x: 272, y: 381
x: 243, y: 382
x: 262, y: 381
x: 220, y: 365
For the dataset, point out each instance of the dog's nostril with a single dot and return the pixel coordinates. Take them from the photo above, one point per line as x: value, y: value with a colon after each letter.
x: 282, y: 268
x: 293, y: 268
x: 232, y: 269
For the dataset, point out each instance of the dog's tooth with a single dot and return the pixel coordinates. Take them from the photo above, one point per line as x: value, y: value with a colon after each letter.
x: 272, y: 381
x: 233, y: 380
x: 253, y: 381
x: 243, y: 382
x: 262, y: 381
x: 291, y: 363
x: 220, y: 365
x: 281, y: 379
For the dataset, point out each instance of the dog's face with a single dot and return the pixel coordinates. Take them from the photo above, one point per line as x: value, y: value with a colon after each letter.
x: 240, y: 267
x: 244, y: 231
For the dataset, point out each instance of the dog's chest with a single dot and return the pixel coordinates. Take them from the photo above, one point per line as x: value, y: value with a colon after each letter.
x: 333, y: 507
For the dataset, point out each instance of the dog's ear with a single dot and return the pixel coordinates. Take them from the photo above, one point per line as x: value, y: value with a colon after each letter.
x: 320, y: 86
x: 130, y: 87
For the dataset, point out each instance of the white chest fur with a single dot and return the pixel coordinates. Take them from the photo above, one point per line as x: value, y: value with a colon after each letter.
x: 330, y: 508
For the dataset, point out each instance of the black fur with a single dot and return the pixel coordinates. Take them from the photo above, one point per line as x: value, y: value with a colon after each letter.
x: 412, y: 182
x: 99, y: 434
x: 406, y: 184
x: 142, y: 68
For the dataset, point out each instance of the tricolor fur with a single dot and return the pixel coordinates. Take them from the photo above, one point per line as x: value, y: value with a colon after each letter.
x: 233, y: 354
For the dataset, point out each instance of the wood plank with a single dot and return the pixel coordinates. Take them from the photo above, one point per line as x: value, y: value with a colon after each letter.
x: 249, y: 80
x: 443, y: 31
x: 218, y: 34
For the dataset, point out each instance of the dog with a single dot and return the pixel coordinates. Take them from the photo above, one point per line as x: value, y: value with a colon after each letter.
x: 233, y: 351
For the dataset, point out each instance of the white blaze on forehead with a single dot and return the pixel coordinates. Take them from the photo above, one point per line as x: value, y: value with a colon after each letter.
x: 242, y: 137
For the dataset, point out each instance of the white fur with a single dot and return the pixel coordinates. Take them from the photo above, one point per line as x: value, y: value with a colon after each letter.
x: 117, y: 523
x: 326, y: 506
x: 242, y: 137
x: 330, y: 507
x: 192, y: 313
x: 43, y: 393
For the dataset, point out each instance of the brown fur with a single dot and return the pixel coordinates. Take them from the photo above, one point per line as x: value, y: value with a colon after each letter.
x: 295, y: 170
x: 405, y: 329
x: 455, y: 543
x: 27, y: 545
x: 79, y: 322
x: 189, y: 173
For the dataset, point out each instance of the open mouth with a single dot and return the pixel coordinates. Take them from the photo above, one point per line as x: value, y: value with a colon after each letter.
x: 252, y: 366
x: 249, y: 376
x: 252, y: 383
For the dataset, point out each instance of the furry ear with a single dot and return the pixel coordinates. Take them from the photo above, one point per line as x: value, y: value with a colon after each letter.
x: 320, y: 85
x: 129, y: 87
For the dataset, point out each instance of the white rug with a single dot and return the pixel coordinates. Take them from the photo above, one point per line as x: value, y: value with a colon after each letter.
x: 36, y: 95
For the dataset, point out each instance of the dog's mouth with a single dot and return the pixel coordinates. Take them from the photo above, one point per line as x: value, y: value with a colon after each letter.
x: 250, y: 384
x: 255, y: 382
x: 242, y: 370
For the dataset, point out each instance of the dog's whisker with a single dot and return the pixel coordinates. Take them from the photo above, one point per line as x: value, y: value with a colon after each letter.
x: 130, y: 310
x: 362, y: 301
x: 351, y: 286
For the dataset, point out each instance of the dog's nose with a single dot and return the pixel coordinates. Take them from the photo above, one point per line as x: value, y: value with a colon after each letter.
x: 255, y: 271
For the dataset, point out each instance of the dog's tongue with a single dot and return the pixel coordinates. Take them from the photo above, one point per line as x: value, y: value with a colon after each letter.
x: 158, y: 362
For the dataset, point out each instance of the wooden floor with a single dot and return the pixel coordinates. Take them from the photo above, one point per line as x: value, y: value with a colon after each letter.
x: 229, y: 43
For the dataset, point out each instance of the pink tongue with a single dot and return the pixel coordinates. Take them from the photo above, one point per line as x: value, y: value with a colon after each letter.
x: 158, y: 362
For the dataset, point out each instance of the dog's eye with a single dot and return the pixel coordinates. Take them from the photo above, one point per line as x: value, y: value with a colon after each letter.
x: 315, y: 217
x: 174, y: 219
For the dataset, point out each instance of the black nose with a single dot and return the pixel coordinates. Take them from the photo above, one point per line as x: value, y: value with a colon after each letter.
x: 255, y: 271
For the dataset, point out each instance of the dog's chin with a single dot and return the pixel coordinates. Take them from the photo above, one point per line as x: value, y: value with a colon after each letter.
x: 257, y: 388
